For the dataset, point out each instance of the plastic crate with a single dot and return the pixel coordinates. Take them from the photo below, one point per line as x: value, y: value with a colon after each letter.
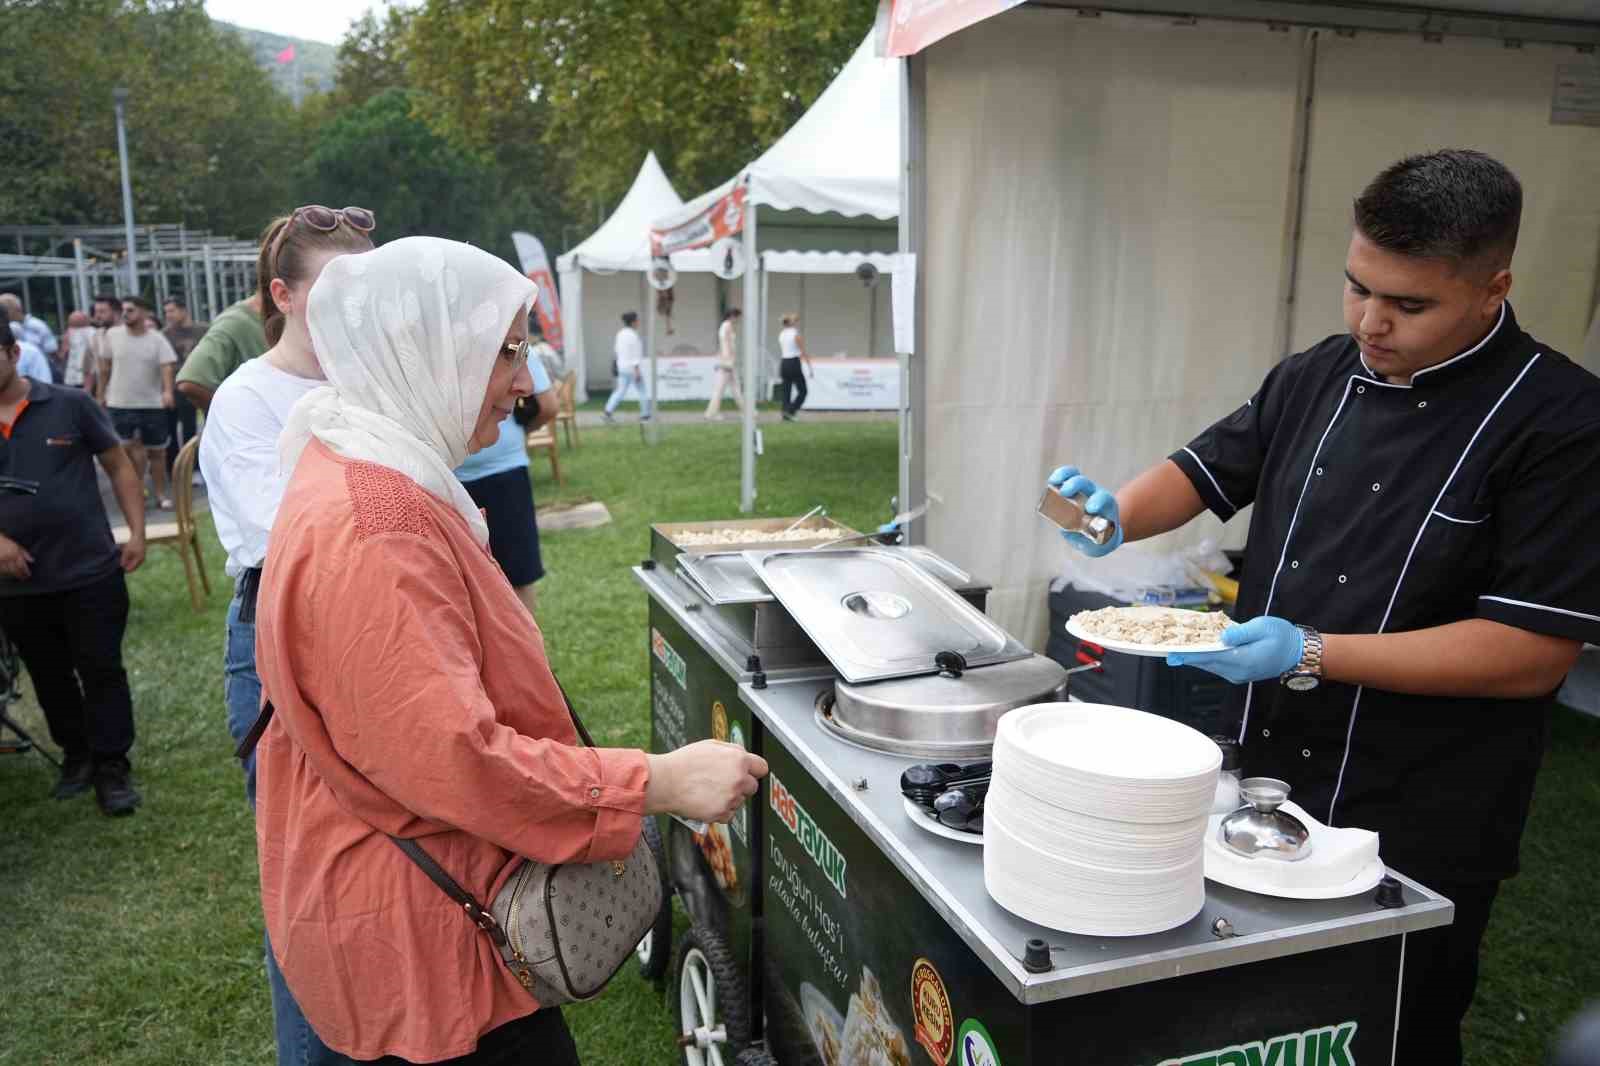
x: 1183, y: 693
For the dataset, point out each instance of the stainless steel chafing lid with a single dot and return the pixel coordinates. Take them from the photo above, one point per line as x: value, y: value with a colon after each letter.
x: 941, y: 715
x: 877, y: 614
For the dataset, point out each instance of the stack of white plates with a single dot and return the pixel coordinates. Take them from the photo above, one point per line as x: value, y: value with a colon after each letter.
x: 1096, y: 818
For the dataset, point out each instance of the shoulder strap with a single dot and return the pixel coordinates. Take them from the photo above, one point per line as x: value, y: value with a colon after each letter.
x: 412, y: 850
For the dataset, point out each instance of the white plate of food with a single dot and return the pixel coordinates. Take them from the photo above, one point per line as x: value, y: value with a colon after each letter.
x: 824, y: 1021
x: 1151, y: 631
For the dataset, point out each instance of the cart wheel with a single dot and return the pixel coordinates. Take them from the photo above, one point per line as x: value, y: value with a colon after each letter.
x: 713, y: 1001
x: 756, y: 1056
x: 655, y: 950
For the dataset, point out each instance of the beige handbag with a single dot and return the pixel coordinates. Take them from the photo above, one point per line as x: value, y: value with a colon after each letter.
x: 563, y: 929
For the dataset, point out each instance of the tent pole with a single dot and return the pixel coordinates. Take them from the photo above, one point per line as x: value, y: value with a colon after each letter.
x: 211, y: 279
x: 652, y: 428
x: 914, y: 238
x: 752, y: 301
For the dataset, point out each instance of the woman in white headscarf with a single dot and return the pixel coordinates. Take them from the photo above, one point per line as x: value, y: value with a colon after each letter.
x: 412, y: 692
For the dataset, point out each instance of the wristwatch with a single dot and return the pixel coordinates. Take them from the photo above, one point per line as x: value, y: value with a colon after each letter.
x: 1306, y: 674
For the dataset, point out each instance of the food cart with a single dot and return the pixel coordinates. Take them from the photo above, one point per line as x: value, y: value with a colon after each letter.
x: 829, y: 926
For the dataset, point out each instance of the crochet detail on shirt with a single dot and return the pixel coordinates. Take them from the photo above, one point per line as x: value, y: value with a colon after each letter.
x: 385, y: 501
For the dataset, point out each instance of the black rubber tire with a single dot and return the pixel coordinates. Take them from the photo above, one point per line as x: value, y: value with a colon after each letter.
x: 733, y: 992
x: 756, y: 1056
x: 653, y: 966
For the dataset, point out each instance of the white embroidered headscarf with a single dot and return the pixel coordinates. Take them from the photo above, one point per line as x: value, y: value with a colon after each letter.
x: 407, y: 335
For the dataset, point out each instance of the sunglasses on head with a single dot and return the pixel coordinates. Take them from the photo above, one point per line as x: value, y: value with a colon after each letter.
x: 327, y: 219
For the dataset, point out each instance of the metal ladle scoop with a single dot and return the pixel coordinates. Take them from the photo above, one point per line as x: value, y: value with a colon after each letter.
x: 1259, y: 829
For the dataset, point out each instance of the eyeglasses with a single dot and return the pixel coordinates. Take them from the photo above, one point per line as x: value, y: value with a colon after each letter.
x: 327, y: 219
x: 518, y: 353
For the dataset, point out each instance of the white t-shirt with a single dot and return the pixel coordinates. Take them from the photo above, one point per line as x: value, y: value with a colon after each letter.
x: 787, y: 343
x: 629, y: 349
x: 239, y: 456
x: 725, y: 343
x: 136, y: 363
x: 80, y: 349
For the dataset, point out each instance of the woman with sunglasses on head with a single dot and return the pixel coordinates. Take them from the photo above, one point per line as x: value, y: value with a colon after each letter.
x: 239, y: 458
x: 411, y: 691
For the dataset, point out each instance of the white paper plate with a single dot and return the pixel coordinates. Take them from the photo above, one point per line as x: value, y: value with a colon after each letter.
x: 1153, y: 651
x: 932, y: 825
x: 817, y: 1007
x: 1109, y: 746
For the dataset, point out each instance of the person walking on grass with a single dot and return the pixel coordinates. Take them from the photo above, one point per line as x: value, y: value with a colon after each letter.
x: 136, y: 385
x: 727, y: 375
x: 628, y: 362
x: 793, y: 348
x: 63, y: 593
x: 78, y: 366
x: 239, y: 458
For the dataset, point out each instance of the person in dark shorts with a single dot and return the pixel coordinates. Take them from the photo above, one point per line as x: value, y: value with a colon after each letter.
x: 497, y: 480
x: 137, y: 369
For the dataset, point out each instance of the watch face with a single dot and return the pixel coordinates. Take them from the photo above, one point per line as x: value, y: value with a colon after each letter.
x: 1302, y: 682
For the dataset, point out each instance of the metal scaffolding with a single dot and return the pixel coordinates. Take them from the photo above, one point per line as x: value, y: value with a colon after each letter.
x: 209, y: 271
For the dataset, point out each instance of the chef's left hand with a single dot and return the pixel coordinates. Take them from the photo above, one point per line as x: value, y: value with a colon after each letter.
x: 1259, y: 650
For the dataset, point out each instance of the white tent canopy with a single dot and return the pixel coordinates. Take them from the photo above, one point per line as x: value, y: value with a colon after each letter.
x: 620, y: 251
x: 831, y: 184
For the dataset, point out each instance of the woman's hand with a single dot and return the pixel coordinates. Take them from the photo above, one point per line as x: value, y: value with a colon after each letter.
x: 707, y: 781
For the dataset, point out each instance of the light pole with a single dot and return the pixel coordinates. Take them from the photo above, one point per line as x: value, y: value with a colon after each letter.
x: 120, y: 97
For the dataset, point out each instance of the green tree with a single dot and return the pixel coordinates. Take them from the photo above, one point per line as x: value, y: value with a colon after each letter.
x: 209, y: 139
x: 707, y: 85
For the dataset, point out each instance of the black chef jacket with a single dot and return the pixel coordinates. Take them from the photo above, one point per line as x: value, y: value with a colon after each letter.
x: 1473, y: 492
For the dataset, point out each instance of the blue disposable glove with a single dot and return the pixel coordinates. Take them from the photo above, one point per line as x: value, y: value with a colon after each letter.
x: 1067, y: 481
x: 1260, y: 649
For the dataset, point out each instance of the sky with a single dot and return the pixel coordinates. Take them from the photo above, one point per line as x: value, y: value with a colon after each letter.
x: 315, y: 20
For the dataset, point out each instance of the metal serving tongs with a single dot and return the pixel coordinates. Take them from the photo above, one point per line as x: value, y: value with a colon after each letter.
x: 904, y: 518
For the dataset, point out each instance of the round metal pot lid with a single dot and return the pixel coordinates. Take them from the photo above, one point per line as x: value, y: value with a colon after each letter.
x: 940, y: 715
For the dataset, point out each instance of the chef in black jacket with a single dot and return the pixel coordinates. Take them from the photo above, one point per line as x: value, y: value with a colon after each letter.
x: 1422, y: 567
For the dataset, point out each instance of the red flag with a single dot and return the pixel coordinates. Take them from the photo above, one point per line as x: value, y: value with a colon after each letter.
x: 286, y: 56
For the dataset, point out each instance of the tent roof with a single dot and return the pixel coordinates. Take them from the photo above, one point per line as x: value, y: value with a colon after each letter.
x: 842, y: 157
x: 623, y: 241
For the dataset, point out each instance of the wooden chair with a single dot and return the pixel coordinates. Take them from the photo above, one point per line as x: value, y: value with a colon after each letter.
x: 181, y: 534
x: 545, y: 438
x: 567, y: 411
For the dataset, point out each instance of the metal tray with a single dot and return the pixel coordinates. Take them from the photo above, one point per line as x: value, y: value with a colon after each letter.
x: 724, y: 577
x: 878, y: 614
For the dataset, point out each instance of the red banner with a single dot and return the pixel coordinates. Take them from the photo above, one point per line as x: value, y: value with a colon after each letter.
x: 536, y: 265
x: 915, y: 24
x: 722, y: 219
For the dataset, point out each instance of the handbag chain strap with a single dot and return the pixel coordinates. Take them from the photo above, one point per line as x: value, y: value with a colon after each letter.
x: 480, y: 915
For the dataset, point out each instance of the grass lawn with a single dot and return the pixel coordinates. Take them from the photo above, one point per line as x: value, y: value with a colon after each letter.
x: 138, y: 941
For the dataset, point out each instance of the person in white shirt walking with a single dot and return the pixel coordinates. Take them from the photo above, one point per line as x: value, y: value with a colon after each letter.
x: 137, y: 370
x: 727, y: 376
x: 78, y: 369
x: 793, y: 348
x: 629, y: 352
x: 29, y: 328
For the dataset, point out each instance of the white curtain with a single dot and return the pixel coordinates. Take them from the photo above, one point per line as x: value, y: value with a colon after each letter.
x: 1379, y: 98
x: 1107, y: 205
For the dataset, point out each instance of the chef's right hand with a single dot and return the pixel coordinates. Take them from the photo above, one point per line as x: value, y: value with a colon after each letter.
x: 1067, y: 481
x: 707, y: 781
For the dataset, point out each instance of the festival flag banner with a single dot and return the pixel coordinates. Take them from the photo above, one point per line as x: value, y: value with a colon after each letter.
x: 722, y: 219
x: 915, y: 24
x: 536, y: 265
x: 286, y: 56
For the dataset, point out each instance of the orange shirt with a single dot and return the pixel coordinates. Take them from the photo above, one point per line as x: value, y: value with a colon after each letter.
x: 414, y: 698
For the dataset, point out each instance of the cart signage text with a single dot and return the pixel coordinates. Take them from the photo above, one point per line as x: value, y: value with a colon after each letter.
x: 1317, y: 1047
x: 669, y: 658
x: 815, y: 842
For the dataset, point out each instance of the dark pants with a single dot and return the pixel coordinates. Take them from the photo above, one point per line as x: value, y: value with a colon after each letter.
x: 540, y: 1039
x: 794, y: 379
x: 1441, y: 975
x: 181, y: 416
x: 71, y: 643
